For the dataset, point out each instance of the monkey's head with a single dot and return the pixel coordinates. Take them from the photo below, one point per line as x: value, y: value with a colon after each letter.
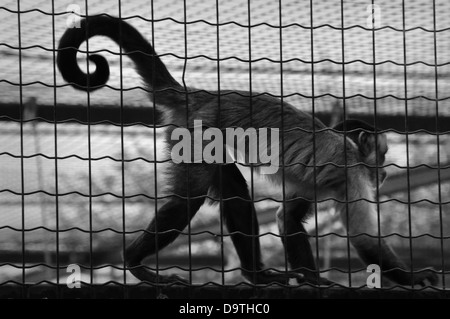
x: 372, y: 146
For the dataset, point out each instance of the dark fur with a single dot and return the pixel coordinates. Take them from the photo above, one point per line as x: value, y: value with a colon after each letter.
x: 314, y: 159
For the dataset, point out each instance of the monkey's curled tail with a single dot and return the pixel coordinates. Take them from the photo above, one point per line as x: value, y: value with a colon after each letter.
x: 148, y: 65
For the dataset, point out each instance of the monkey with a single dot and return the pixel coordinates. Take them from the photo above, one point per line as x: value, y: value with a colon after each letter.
x: 316, y: 164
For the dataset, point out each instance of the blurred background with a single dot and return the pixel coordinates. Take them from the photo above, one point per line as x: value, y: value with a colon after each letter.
x: 73, y: 180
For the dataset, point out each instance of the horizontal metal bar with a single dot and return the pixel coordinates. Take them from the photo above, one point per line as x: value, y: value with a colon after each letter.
x: 144, y: 115
x: 240, y: 291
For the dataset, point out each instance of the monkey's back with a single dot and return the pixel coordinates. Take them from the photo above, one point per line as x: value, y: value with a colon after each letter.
x: 306, y: 147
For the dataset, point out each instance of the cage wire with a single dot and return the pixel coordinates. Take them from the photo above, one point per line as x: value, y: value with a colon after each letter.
x: 83, y: 173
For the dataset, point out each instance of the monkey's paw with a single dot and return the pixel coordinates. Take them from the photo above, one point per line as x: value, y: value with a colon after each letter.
x: 426, y: 278
x: 317, y: 281
x: 270, y: 276
x: 144, y: 274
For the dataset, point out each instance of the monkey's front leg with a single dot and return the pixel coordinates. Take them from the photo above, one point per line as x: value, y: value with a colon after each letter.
x: 296, y: 242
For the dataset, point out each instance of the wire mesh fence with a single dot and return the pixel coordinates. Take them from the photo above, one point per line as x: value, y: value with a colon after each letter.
x: 82, y: 173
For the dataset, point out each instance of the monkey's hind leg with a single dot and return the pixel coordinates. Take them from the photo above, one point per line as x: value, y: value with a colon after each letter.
x: 169, y: 221
x: 242, y: 223
x: 296, y: 242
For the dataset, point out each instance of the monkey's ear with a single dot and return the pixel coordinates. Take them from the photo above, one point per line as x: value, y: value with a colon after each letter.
x: 369, y: 143
x: 366, y: 142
